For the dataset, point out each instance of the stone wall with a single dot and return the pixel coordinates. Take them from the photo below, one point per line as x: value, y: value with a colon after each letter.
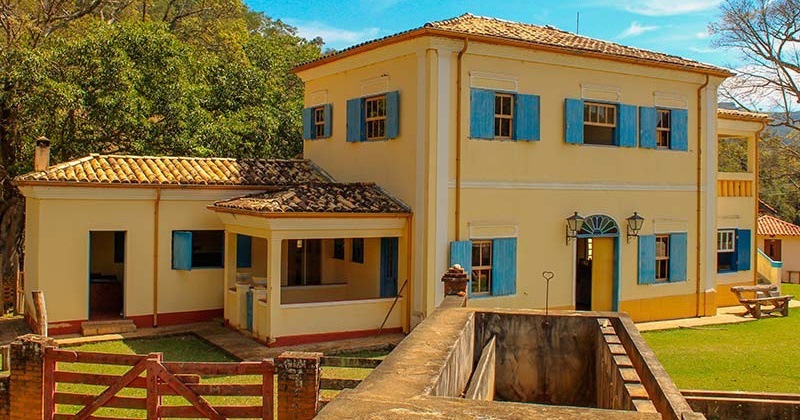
x: 729, y: 405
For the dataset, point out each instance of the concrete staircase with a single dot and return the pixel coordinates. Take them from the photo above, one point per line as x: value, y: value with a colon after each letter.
x: 107, y: 327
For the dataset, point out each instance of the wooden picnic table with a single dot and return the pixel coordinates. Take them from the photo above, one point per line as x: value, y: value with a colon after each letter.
x: 762, y: 300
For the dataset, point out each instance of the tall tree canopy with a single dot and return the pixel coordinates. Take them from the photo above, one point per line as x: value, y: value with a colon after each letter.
x: 188, y: 77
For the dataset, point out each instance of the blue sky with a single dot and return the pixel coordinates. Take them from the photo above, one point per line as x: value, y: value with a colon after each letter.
x: 673, y: 26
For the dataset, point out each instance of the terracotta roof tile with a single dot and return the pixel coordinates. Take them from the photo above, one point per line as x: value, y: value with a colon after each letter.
x: 318, y: 198
x: 772, y: 226
x: 183, y: 171
x: 735, y: 114
x: 545, y: 36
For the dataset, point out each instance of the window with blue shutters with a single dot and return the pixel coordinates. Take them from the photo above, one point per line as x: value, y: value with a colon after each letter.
x: 663, y: 258
x: 490, y: 263
x: 197, y: 249
x: 663, y: 128
x: 374, y: 117
x: 496, y: 115
x: 317, y: 122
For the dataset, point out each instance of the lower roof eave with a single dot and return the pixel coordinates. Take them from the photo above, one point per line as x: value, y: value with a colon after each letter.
x: 308, y: 215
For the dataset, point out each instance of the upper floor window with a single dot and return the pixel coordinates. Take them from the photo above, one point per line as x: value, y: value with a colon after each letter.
x: 503, y: 115
x: 599, y: 123
x: 375, y: 117
x: 662, y: 257
x: 497, y: 115
x: 663, y: 126
x: 319, y: 122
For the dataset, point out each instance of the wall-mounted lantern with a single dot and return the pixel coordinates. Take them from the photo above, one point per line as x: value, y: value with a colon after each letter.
x: 574, y: 224
x: 635, y: 223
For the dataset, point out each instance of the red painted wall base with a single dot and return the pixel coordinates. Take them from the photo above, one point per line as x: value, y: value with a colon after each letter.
x: 141, y: 321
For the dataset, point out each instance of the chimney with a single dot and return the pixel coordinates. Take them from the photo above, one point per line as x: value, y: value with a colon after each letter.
x: 41, y: 156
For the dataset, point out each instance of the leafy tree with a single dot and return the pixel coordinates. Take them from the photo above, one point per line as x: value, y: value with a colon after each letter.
x: 196, y: 77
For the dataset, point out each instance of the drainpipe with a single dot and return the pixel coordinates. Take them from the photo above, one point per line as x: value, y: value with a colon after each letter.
x: 156, y: 208
x: 754, y: 264
x: 699, y: 195
x: 458, y: 138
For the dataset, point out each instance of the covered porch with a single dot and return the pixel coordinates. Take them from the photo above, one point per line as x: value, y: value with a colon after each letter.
x: 295, y: 277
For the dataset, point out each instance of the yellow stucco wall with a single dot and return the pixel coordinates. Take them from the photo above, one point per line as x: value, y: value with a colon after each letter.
x: 57, y: 247
x: 790, y: 254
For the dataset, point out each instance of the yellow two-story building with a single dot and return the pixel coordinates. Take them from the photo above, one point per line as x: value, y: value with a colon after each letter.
x: 515, y: 150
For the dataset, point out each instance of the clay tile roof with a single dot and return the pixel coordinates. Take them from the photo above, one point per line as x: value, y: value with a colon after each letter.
x: 542, y: 36
x: 772, y: 226
x: 734, y: 114
x: 318, y: 198
x: 177, y: 171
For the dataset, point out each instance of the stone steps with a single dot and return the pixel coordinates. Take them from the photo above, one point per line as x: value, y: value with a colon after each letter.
x: 107, y: 327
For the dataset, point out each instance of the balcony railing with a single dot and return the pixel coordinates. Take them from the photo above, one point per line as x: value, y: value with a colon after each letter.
x: 734, y: 188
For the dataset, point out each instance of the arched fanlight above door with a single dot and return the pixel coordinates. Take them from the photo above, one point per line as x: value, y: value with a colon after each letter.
x: 598, y: 225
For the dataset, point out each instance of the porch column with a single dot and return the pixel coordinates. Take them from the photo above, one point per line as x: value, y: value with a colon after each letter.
x: 274, y: 266
x: 229, y: 276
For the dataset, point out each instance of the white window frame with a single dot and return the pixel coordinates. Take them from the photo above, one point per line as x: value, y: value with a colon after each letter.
x: 319, y: 122
x: 663, y: 129
x: 501, y: 117
x: 483, y: 268
x: 374, y: 121
x: 662, y: 259
x: 726, y: 245
x: 609, y: 109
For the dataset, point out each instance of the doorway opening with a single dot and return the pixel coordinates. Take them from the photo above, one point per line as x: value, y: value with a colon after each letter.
x: 107, y: 275
x: 772, y: 247
x: 305, y: 262
x: 595, y: 264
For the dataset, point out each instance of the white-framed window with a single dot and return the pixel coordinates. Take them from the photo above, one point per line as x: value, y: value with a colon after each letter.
x: 481, y: 267
x: 375, y: 108
x: 663, y: 127
x: 662, y: 258
x: 599, y: 123
x: 503, y: 115
x: 726, y: 250
x: 319, y: 122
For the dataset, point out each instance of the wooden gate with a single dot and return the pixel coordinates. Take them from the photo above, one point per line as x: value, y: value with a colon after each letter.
x: 157, y: 378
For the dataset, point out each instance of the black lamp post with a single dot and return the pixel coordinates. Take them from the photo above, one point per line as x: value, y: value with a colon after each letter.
x: 635, y: 223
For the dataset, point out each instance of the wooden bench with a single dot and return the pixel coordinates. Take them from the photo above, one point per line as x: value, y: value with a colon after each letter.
x: 762, y: 300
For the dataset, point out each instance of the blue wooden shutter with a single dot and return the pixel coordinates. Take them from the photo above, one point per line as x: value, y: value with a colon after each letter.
x: 244, y: 251
x: 573, y: 121
x: 526, y: 117
x: 461, y: 253
x: 327, y: 129
x: 392, y: 114
x: 355, y: 120
x: 678, y: 254
x: 481, y: 114
x: 647, y: 259
x: 181, y: 250
x: 648, y: 119
x: 504, y: 266
x: 308, y: 123
x: 389, y: 267
x: 626, y: 128
x: 743, y: 253
x: 679, y: 130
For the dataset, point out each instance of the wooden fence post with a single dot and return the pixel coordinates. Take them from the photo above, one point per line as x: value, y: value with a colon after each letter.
x: 153, y: 397
x: 41, y: 312
x: 267, y: 389
x: 298, y: 385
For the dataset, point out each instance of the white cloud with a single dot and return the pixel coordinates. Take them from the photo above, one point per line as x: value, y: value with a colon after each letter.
x: 702, y: 50
x: 333, y: 37
x: 636, y: 29
x: 702, y: 35
x: 665, y: 8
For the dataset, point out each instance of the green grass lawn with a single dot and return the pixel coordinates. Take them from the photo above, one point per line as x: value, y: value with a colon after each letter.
x: 186, y: 348
x: 758, y: 356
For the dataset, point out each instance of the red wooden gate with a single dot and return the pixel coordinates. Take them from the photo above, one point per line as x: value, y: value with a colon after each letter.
x: 160, y: 379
